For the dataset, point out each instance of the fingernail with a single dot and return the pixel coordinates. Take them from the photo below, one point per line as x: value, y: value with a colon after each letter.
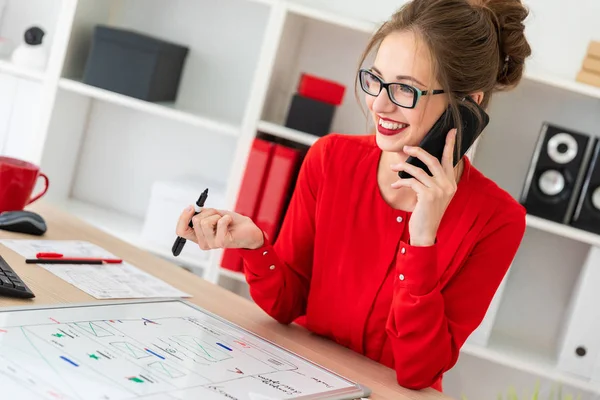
x: 189, y: 208
x: 407, y: 148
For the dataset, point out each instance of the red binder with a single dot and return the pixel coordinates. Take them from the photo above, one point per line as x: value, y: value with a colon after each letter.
x: 281, y: 175
x: 250, y: 192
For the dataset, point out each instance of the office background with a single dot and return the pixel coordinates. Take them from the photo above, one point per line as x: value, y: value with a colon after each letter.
x: 129, y: 165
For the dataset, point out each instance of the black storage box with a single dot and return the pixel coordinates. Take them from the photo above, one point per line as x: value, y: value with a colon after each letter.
x: 310, y: 116
x: 134, y: 64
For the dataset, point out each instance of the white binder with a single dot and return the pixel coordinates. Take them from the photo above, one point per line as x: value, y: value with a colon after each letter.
x: 580, y: 342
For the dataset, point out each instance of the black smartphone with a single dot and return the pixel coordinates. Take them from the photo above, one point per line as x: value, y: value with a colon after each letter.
x: 435, y: 140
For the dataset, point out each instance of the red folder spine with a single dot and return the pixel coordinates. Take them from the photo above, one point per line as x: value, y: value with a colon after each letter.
x: 250, y: 192
x: 277, y: 187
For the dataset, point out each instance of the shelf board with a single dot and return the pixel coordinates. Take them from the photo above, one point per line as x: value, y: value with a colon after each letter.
x: 563, y: 230
x: 238, y: 276
x: 507, y: 352
x: 331, y: 18
x: 165, y: 110
x: 124, y: 227
x: 266, y: 2
x: 120, y: 225
x: 566, y: 84
x: 8, y: 67
x: 287, y: 133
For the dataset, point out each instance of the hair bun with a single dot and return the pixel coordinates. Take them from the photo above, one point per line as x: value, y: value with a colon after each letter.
x: 508, y: 16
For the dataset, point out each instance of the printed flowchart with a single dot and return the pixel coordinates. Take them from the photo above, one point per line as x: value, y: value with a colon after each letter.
x: 151, y: 356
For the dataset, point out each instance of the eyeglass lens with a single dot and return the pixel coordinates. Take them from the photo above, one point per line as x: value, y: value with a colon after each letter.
x: 399, y: 93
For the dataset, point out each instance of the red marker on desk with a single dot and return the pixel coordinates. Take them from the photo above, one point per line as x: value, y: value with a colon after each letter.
x: 57, y: 258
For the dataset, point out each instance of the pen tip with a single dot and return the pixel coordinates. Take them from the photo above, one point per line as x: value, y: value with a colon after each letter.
x: 202, y: 198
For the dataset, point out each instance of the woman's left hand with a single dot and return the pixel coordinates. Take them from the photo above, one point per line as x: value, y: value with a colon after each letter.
x: 434, y: 193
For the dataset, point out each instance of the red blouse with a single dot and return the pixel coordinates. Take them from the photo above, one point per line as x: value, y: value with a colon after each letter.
x: 343, y: 267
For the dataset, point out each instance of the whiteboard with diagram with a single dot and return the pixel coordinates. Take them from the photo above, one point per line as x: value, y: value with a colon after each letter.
x: 150, y: 350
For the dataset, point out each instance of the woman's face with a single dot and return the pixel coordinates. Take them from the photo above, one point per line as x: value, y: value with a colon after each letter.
x: 403, y: 58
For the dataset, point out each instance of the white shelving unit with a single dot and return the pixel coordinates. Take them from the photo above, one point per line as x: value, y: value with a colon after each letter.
x: 8, y: 68
x: 163, y: 110
x: 286, y: 133
x: 566, y: 84
x: 121, y: 225
x: 512, y: 356
x: 332, y: 18
x: 563, y: 230
x: 103, y: 151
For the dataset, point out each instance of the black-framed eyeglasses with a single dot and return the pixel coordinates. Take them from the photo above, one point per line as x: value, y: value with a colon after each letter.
x: 401, y: 94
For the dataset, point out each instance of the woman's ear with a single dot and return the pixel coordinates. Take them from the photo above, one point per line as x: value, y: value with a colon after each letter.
x: 477, y: 97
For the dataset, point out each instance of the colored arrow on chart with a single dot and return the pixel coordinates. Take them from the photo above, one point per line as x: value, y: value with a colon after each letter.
x: 153, y: 353
x: 55, y: 395
x: 70, y: 361
x: 244, y: 345
x: 95, y: 357
x: 237, y: 371
x: 225, y: 347
x: 3, y: 331
x: 135, y: 379
x: 58, y: 335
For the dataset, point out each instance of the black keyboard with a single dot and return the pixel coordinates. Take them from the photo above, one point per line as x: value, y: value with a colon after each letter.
x: 10, y: 283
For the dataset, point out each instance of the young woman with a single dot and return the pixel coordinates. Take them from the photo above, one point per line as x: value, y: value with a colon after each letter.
x: 400, y: 270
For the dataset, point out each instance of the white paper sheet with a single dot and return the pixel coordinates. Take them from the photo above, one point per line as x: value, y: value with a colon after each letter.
x: 106, y: 281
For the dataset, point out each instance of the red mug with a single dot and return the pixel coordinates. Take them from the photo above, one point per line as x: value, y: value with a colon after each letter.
x: 17, y: 181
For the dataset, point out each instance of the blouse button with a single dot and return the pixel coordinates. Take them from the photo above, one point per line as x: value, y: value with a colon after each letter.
x: 265, y: 253
x: 272, y: 267
x: 399, y: 219
x: 403, y: 250
x: 401, y: 277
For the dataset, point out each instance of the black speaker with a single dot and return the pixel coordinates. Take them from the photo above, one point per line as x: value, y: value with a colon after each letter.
x: 587, y: 212
x: 556, y: 173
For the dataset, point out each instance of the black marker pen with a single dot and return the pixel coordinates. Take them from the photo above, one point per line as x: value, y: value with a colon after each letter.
x: 180, y: 242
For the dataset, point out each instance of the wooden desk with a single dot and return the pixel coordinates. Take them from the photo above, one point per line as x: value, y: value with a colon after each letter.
x: 50, y: 289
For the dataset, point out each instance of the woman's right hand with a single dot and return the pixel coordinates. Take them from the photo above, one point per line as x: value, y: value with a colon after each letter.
x: 219, y: 229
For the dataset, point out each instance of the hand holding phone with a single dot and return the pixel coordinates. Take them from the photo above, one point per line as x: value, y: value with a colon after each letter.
x: 435, y: 140
x: 435, y: 192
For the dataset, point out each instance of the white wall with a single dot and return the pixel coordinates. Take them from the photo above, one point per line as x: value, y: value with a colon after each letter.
x: 560, y: 32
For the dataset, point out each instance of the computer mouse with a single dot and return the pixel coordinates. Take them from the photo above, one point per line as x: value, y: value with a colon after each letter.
x: 23, y: 222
